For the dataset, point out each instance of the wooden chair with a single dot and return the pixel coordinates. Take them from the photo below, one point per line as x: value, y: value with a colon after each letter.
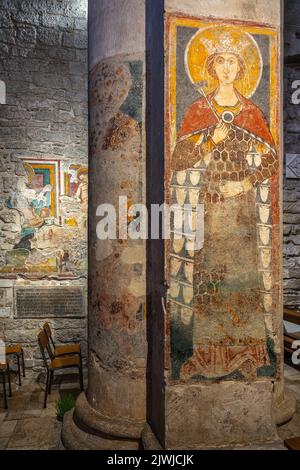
x: 56, y: 363
x: 62, y: 350
x: 293, y: 443
x: 4, y: 371
x: 17, y: 351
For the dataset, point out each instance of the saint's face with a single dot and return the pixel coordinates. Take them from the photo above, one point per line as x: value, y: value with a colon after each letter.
x: 83, y: 178
x: 226, y: 67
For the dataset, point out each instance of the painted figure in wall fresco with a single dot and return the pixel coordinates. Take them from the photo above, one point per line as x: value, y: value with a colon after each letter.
x: 33, y: 206
x: 223, y: 131
x: 46, y: 214
x: 82, y: 195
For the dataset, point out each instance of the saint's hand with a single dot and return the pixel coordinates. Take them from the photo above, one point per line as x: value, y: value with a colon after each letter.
x: 220, y: 133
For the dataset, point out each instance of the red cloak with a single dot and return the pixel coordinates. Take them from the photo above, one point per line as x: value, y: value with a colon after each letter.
x: 199, y: 117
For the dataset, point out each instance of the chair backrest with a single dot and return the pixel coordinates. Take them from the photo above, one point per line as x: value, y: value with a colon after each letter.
x: 48, y: 331
x: 44, y: 346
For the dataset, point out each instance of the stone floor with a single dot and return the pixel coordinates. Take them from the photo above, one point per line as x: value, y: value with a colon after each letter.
x: 27, y: 425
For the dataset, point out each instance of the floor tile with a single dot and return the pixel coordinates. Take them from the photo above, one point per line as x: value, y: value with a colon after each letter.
x: 39, y: 433
x: 7, y: 428
x: 3, y: 443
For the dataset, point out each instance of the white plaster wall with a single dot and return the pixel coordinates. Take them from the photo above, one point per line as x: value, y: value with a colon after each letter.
x: 256, y: 10
x: 115, y: 27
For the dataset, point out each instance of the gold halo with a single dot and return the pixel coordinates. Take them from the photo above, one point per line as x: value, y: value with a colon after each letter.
x: 82, y: 171
x: 218, y: 39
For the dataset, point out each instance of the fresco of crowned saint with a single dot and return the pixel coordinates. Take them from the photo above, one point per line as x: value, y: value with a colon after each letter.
x: 228, y: 135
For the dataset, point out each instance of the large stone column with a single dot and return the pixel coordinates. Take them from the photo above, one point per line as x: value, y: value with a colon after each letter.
x: 215, y: 337
x: 214, y: 311
x: 112, y: 412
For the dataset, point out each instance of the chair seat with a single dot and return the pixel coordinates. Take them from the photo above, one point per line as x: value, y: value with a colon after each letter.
x: 293, y: 443
x: 13, y: 349
x: 66, y: 361
x: 67, y: 349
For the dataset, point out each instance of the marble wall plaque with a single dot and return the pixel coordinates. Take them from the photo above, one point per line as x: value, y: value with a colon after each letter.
x: 46, y: 302
x: 4, y: 312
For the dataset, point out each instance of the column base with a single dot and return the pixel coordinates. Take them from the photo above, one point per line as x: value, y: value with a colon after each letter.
x: 286, y: 408
x: 86, y: 429
x: 150, y: 442
x: 227, y: 415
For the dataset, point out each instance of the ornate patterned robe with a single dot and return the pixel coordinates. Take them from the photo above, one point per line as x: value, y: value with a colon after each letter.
x: 229, y: 336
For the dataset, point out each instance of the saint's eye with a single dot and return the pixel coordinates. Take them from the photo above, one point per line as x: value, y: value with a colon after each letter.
x: 220, y: 60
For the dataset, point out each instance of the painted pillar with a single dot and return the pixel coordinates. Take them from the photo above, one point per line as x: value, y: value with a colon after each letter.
x: 217, y: 371
x: 214, y: 148
x: 112, y: 412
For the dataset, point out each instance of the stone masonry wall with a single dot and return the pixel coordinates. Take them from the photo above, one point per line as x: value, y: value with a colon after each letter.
x: 43, y: 62
x: 291, y: 187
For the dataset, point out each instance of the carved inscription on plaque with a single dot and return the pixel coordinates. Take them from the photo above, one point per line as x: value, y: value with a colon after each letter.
x: 49, y: 302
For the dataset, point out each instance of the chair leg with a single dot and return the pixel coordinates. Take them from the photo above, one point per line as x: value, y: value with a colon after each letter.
x: 50, y: 381
x: 9, y: 381
x: 46, y: 388
x: 81, y: 377
x: 23, y: 362
x: 4, y: 391
x: 19, y: 370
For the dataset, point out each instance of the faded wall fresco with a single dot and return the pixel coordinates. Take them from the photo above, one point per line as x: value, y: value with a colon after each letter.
x: 117, y: 319
x: 222, y: 146
x: 44, y: 219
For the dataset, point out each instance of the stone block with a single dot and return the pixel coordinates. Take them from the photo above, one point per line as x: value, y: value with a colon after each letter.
x: 287, y: 230
x: 290, y: 184
x: 5, y: 162
x: 26, y: 35
x: 296, y: 239
x: 221, y: 414
x: 80, y: 23
x: 7, y: 183
x: 39, y: 433
x: 49, y: 37
x: 61, y: 323
x: 56, y: 6
x: 4, y: 50
x: 63, y: 54
x: 5, y: 19
x: 15, y: 336
x: 291, y: 218
x: 57, y: 21
x: 291, y: 250
x: 30, y: 16
x: 7, y: 35
x: 68, y: 39
x: 10, y: 216
x: 65, y: 336
x: 292, y: 284
x: 292, y: 13
x: 81, y: 39
x: 293, y: 208
x: 289, y: 196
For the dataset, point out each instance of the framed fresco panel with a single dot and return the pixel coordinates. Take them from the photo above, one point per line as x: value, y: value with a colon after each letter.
x: 222, y: 154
